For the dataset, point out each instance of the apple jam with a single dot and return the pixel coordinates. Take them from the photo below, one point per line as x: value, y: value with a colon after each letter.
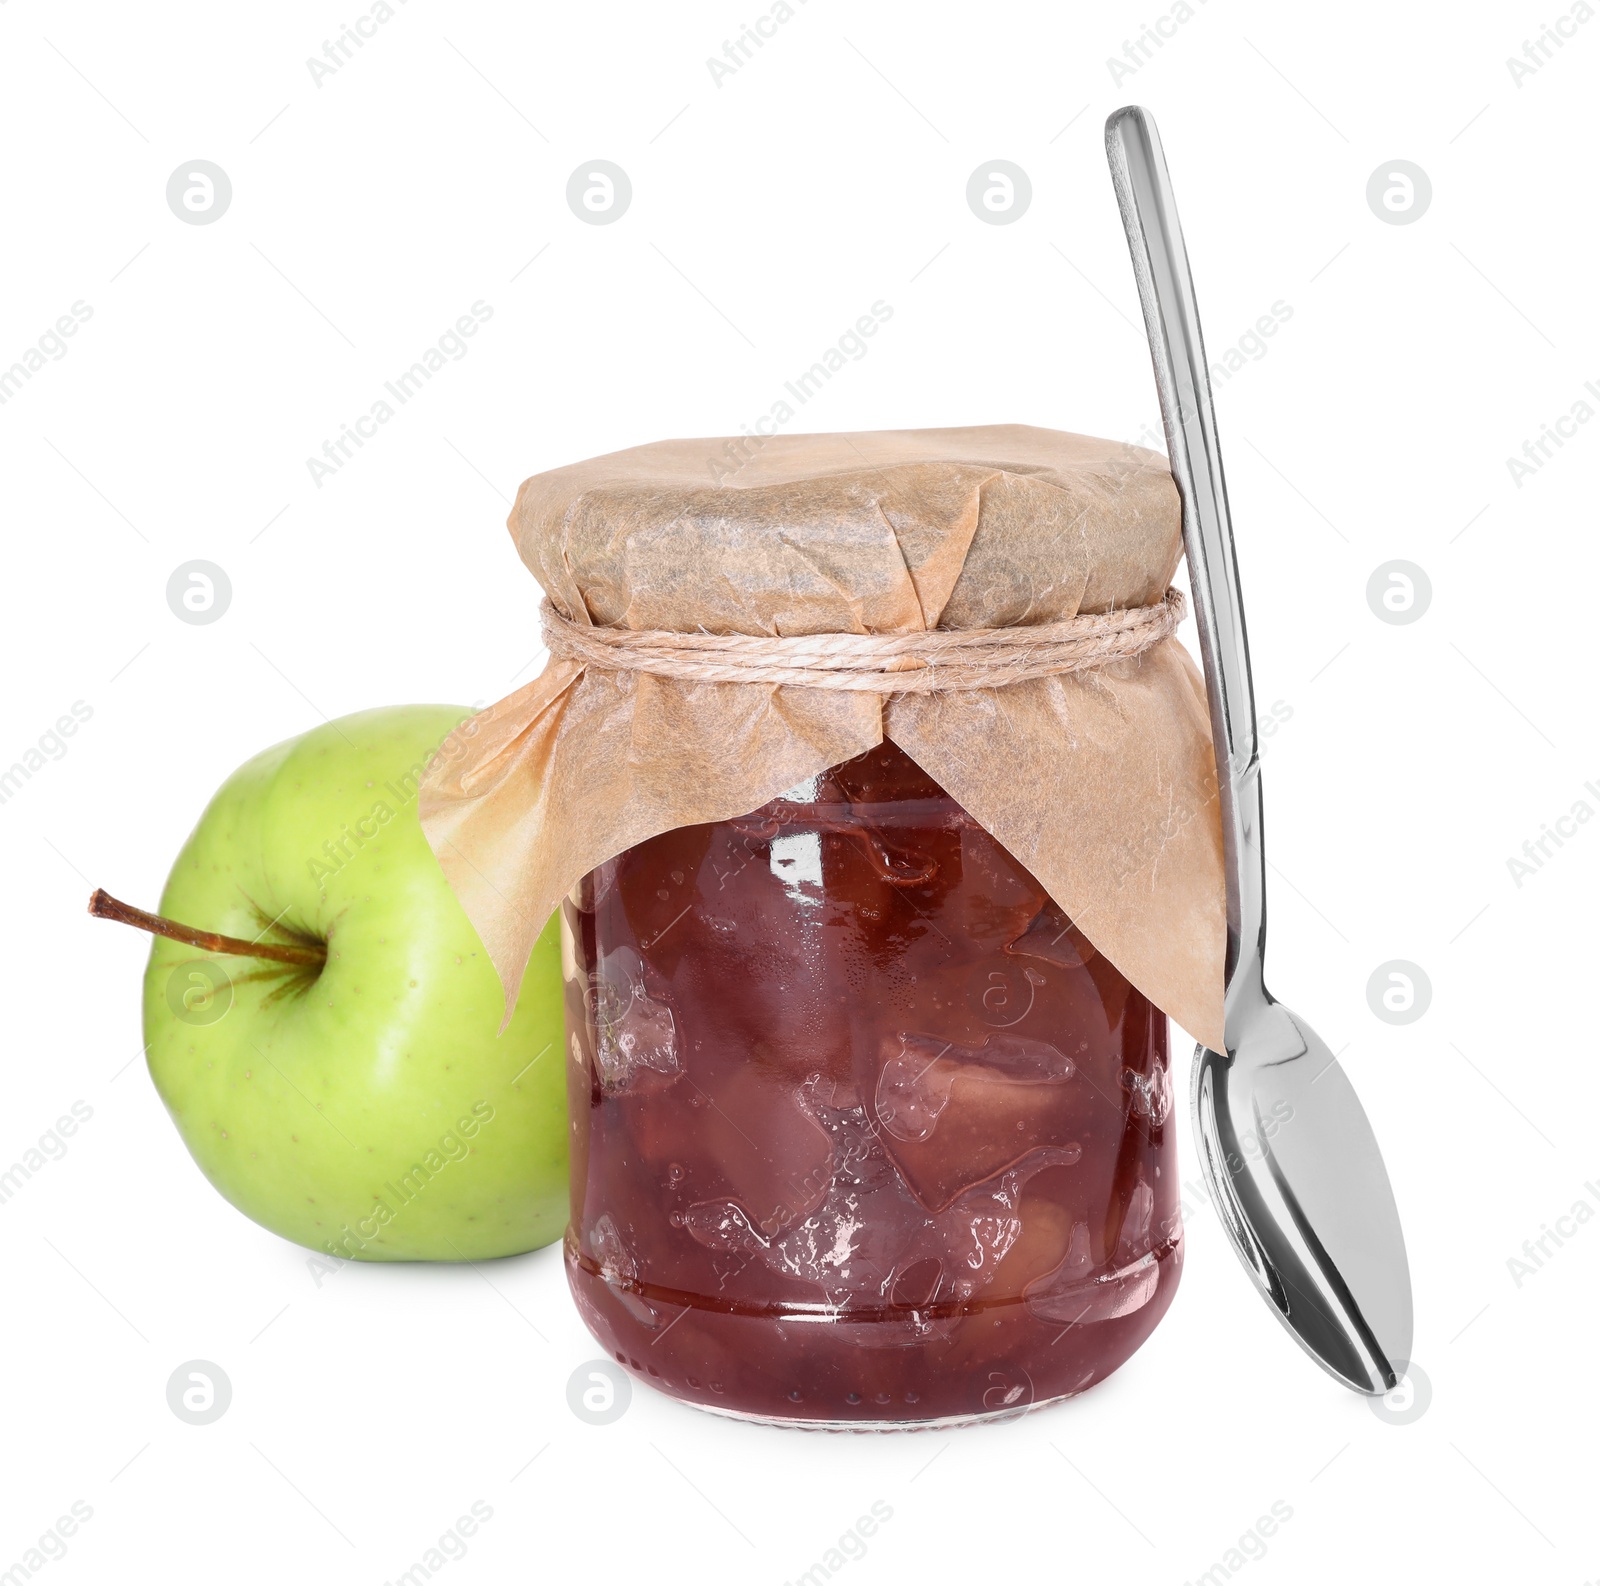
x: 864, y: 1131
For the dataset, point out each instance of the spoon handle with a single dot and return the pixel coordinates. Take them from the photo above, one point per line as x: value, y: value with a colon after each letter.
x: 1172, y: 326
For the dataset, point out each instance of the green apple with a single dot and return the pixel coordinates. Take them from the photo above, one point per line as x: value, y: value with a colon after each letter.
x: 347, y: 1084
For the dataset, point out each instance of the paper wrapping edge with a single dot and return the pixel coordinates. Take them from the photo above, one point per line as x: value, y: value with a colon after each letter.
x: 498, y: 798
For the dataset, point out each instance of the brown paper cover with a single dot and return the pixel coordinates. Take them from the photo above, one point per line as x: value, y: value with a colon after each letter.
x: 1102, y: 783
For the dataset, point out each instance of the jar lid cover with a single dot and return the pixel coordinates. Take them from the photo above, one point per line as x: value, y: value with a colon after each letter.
x: 881, y: 532
x: 1102, y: 783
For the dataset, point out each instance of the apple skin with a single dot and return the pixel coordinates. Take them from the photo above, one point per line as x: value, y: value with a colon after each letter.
x: 372, y: 1109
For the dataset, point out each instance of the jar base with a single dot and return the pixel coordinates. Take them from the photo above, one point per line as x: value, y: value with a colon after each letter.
x: 1000, y: 1361
x: 942, y: 1423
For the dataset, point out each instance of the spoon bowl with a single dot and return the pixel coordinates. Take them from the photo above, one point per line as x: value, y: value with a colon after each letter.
x: 1295, y: 1173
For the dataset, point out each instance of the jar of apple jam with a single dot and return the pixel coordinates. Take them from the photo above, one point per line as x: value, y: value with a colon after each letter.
x: 878, y: 797
x: 864, y: 1130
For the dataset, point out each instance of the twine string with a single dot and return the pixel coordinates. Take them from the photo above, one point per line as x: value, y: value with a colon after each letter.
x: 936, y: 661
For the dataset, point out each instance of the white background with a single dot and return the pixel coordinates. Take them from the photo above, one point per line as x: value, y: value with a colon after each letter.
x: 769, y: 212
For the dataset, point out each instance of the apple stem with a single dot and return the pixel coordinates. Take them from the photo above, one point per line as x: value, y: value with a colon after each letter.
x: 105, y: 907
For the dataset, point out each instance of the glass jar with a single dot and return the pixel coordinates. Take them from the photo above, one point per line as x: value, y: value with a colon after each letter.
x: 864, y: 1131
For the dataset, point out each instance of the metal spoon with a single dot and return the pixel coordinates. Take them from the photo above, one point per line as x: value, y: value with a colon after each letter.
x: 1291, y: 1161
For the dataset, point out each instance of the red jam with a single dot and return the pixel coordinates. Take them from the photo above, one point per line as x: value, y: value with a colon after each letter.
x: 864, y: 1131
